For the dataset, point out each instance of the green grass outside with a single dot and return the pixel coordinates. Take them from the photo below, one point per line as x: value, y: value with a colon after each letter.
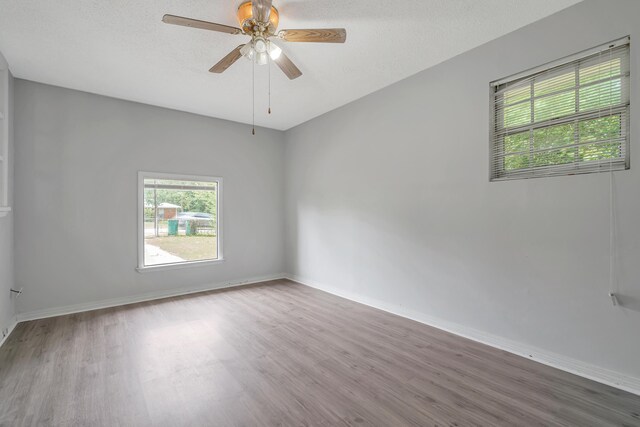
x: 189, y: 248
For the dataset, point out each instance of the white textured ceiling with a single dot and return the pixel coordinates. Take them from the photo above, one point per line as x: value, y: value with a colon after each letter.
x: 120, y: 48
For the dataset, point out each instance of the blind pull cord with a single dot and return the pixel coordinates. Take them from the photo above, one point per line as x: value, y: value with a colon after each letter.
x: 612, y: 293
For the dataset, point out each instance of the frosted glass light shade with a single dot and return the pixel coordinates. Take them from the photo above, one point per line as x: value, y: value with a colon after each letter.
x: 274, y: 51
x: 260, y: 45
x: 261, y: 58
x: 247, y: 51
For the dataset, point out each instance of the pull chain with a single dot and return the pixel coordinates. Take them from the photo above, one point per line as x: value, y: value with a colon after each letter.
x: 269, y: 66
x: 253, y: 97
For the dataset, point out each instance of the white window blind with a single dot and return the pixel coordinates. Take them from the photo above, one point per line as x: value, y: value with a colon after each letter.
x: 565, y: 118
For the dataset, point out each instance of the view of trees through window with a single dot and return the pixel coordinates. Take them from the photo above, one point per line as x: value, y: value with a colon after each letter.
x: 570, y: 115
x: 180, y: 221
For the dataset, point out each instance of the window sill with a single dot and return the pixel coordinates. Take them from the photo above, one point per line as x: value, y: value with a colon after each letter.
x: 163, y: 267
x: 4, y: 211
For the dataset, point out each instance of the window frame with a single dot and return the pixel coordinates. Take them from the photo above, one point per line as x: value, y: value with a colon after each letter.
x: 142, y: 175
x: 496, y: 148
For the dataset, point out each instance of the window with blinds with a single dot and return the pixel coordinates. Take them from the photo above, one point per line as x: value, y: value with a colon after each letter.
x: 568, y: 117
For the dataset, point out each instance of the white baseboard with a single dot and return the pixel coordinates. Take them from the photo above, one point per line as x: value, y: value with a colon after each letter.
x: 601, y: 375
x: 150, y: 296
x: 12, y: 326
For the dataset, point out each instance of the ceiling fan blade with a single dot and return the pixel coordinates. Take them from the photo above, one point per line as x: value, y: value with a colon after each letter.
x: 327, y: 35
x: 287, y: 67
x: 261, y: 10
x: 227, y: 61
x: 204, y: 25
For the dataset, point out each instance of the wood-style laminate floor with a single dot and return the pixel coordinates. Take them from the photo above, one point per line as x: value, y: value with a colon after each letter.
x: 280, y: 354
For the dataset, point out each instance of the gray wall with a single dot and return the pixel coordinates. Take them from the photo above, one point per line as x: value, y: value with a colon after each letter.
x: 7, y: 302
x: 388, y: 201
x: 77, y: 158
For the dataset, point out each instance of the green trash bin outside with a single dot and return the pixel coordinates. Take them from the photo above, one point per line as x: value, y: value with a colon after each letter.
x: 173, y: 227
x: 190, y: 228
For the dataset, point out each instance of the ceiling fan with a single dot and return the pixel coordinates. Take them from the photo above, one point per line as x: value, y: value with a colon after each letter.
x: 259, y: 20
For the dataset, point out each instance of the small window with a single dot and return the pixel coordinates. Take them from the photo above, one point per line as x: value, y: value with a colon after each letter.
x: 565, y: 118
x: 179, y: 219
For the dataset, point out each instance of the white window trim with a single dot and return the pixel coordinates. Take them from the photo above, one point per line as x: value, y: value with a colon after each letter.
x: 219, y: 233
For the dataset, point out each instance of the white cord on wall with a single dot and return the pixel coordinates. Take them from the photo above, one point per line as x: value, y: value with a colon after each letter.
x: 612, y: 293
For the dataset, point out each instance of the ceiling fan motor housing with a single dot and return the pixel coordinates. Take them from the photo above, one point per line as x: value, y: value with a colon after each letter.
x: 250, y: 26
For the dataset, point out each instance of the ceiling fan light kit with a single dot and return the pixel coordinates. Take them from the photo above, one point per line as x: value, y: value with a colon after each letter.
x: 259, y: 20
x: 258, y: 49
